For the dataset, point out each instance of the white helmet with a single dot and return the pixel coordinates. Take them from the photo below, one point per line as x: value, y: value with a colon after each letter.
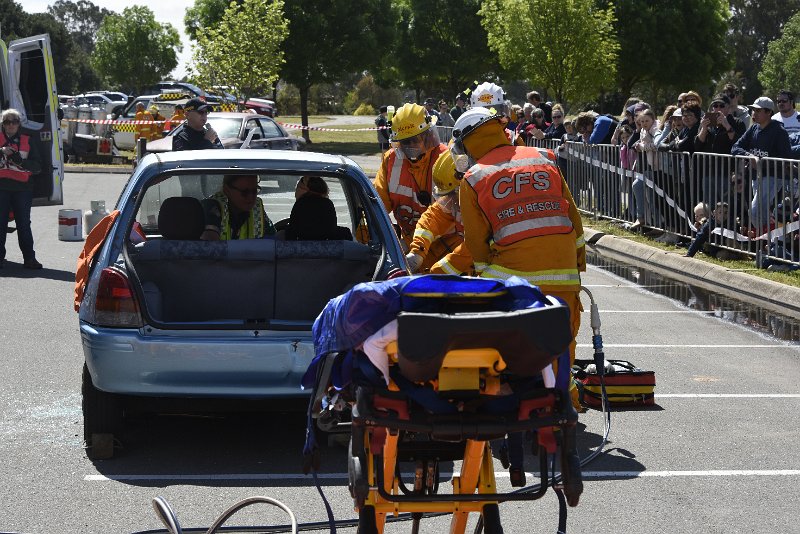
x: 464, y: 126
x: 487, y: 95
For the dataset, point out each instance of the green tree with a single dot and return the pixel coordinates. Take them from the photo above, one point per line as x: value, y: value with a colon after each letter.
x: 204, y: 14
x: 134, y: 50
x: 753, y: 25
x: 568, y: 48
x: 70, y: 63
x: 13, y: 20
x: 781, y: 68
x: 670, y: 45
x: 82, y: 19
x: 227, y: 53
x: 440, y: 47
x: 331, y: 38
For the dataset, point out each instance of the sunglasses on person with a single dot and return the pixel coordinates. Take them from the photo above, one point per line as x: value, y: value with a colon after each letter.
x: 718, y: 105
x: 11, y: 121
x: 247, y: 192
x: 558, y: 116
x: 782, y: 101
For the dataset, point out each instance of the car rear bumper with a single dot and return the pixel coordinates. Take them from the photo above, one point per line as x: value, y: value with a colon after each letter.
x: 235, y: 364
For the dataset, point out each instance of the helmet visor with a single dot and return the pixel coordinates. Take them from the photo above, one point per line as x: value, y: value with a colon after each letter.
x: 415, y: 147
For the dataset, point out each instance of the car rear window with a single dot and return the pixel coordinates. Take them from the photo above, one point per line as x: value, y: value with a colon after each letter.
x: 277, y: 193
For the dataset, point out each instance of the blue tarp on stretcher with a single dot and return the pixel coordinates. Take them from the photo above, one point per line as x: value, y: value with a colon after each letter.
x: 349, y: 319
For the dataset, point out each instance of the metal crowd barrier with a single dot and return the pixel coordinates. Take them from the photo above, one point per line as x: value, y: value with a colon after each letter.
x: 751, y: 205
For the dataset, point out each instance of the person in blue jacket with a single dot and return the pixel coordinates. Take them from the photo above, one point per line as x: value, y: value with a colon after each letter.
x: 766, y: 138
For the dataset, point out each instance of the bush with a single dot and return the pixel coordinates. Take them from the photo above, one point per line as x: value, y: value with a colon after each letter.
x: 365, y: 109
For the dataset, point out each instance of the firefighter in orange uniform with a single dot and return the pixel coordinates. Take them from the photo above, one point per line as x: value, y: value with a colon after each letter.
x: 518, y: 213
x: 404, y: 181
x: 156, y: 129
x: 440, y: 219
x: 142, y: 130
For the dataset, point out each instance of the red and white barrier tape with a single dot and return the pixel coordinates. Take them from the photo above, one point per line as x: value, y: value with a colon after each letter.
x: 284, y: 124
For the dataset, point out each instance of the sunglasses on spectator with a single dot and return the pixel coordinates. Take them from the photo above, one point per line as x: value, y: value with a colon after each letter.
x: 782, y: 101
x: 558, y: 116
x: 538, y: 116
x: 246, y: 192
x: 11, y: 121
x: 718, y: 105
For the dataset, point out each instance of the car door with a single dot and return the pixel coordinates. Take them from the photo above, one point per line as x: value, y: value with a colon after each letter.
x: 275, y: 138
x: 29, y: 85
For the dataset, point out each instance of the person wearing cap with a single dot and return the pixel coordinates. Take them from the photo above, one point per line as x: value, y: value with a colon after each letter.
x: 404, y: 180
x: 382, y: 123
x: 439, y: 220
x: 518, y: 213
x: 430, y: 104
x: 766, y: 138
x: 460, y: 107
x: 195, y: 135
x: 143, y: 125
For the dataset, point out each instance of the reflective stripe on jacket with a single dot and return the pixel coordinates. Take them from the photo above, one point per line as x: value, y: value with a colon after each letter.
x: 252, y: 229
x: 399, y: 183
x: 520, y: 192
x: 9, y: 169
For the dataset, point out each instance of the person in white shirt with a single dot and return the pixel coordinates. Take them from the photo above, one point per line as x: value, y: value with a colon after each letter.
x: 786, y: 113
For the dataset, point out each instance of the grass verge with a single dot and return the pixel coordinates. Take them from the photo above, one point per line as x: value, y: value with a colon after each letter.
x: 791, y: 278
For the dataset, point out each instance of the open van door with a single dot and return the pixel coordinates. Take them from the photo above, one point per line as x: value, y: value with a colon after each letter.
x: 29, y: 85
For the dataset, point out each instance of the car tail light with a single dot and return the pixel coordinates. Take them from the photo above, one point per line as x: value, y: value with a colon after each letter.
x: 115, y: 304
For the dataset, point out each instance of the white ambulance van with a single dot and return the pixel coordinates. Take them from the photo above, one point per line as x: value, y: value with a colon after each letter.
x: 28, y: 84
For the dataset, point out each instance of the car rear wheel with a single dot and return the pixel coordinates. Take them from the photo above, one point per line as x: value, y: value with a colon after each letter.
x: 102, y: 418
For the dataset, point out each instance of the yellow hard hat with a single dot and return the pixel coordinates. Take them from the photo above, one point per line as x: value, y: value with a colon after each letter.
x: 408, y: 121
x: 444, y: 174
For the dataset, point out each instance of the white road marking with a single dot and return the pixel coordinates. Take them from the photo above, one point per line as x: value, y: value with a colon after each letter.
x: 690, y: 346
x: 728, y: 395
x: 498, y: 474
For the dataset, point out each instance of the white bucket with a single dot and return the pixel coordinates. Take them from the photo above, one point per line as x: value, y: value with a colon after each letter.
x: 70, y: 225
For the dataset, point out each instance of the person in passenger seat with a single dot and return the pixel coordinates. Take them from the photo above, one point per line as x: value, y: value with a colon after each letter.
x: 236, y: 212
x: 313, y: 218
x: 310, y: 184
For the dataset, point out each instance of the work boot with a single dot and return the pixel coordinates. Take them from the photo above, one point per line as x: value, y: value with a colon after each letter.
x: 517, y: 476
x: 31, y: 263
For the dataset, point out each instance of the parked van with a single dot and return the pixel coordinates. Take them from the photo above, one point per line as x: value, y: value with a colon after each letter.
x: 28, y: 84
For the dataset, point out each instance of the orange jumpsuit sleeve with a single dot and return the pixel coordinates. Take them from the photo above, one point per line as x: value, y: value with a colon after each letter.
x: 381, y: 182
x: 477, y: 231
x: 435, y: 222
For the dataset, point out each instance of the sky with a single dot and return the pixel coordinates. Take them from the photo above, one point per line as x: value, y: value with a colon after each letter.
x: 171, y: 11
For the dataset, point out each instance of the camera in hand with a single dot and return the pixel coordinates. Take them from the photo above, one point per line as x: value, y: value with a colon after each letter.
x: 712, y: 118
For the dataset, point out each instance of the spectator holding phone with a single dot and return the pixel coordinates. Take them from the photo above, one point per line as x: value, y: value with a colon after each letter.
x: 719, y: 129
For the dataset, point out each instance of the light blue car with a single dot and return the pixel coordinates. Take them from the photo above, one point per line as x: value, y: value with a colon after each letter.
x: 167, y: 317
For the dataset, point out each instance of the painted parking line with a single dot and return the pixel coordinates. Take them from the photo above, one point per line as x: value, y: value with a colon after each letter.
x: 688, y: 346
x: 497, y: 474
x: 728, y: 395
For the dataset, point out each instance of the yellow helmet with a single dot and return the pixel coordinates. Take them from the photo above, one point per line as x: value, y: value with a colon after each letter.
x: 408, y: 121
x: 444, y: 174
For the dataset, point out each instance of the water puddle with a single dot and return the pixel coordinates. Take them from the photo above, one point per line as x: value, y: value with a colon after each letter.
x: 727, y: 308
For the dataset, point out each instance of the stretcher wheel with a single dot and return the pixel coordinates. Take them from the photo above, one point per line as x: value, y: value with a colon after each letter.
x: 359, y: 486
x: 367, y: 523
x: 491, y: 519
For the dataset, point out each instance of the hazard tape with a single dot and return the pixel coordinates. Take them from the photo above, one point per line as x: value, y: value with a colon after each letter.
x: 284, y: 124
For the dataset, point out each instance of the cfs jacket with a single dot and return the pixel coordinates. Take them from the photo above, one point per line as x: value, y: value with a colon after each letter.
x: 443, y: 218
x: 143, y: 130
x: 520, y: 219
x: 399, y: 183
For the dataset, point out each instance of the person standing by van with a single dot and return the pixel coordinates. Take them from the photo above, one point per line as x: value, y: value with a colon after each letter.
x: 19, y: 160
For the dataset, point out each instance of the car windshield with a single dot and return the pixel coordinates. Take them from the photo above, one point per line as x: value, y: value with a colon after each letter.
x: 226, y: 127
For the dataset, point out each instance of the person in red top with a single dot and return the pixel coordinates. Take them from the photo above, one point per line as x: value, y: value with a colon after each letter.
x: 19, y: 161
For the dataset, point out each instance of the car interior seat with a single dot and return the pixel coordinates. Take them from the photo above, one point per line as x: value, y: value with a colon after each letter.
x: 181, y: 218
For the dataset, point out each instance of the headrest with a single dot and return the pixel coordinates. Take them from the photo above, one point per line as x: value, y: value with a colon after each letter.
x: 181, y: 218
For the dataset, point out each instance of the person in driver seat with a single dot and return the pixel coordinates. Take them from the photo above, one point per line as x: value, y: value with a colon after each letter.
x: 236, y: 212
